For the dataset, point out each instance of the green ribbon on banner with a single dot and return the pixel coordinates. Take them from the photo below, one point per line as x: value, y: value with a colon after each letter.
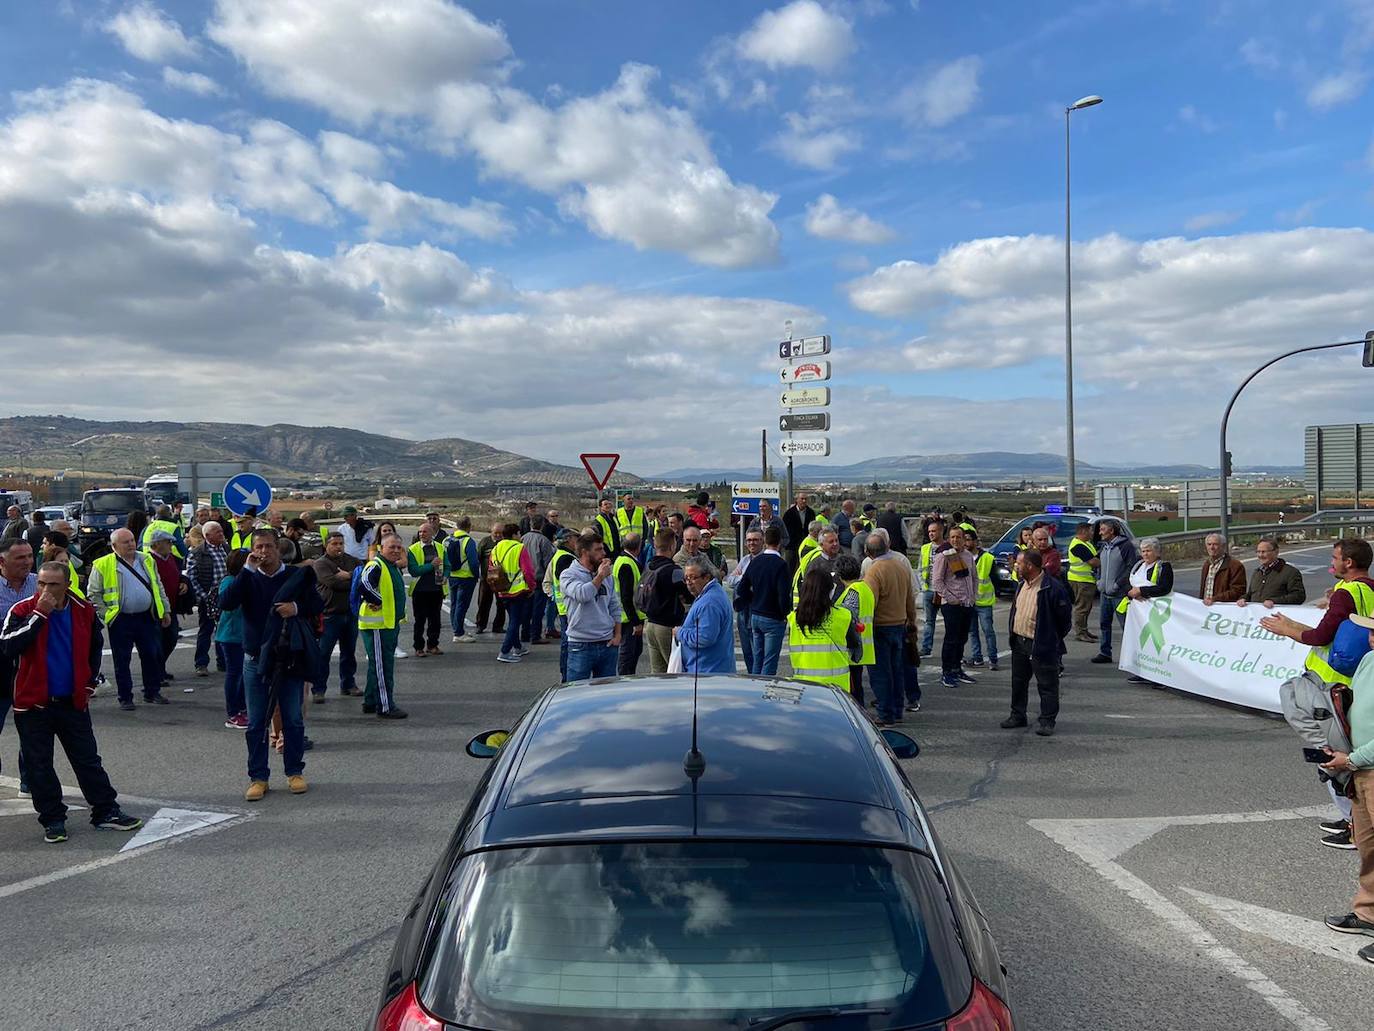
x: 1153, y: 631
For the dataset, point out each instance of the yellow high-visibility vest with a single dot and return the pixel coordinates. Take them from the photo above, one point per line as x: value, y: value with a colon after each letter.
x: 987, y: 593
x: 1080, y: 572
x: 821, y: 654
x: 507, y: 554
x: 109, y: 584
x: 867, y: 606
x: 385, y: 615
x: 622, y: 562
x: 418, y: 550
x: 460, y: 539
x: 1317, y: 657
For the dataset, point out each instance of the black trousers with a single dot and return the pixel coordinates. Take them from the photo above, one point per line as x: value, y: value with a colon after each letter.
x: 138, y: 630
x: 631, y: 648
x: 169, y: 635
x: 958, y: 619
x: 485, y: 597
x: 61, y: 721
x: 1024, y: 665
x: 427, y: 607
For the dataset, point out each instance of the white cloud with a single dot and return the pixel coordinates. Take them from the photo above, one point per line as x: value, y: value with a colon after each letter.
x: 801, y: 35
x: 826, y: 219
x: 1260, y: 55
x: 93, y: 136
x: 1212, y: 220
x: 357, y: 58
x: 1191, y: 116
x: 948, y: 93
x: 191, y: 82
x: 813, y: 142
x: 630, y: 167
x: 1337, y: 89
x: 149, y: 34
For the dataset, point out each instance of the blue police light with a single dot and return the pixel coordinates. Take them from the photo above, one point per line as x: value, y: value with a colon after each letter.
x: 1055, y: 509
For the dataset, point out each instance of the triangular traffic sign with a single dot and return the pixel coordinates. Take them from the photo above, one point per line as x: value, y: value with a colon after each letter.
x: 169, y: 823
x: 599, y: 467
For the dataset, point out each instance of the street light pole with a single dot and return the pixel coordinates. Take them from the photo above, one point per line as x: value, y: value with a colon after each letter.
x: 1089, y: 101
x: 1226, y: 416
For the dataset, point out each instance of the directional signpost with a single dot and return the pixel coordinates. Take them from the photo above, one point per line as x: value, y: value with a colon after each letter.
x: 599, y: 466
x: 807, y: 422
x: 245, y: 491
x: 804, y: 365
x: 805, y: 372
x: 746, y: 496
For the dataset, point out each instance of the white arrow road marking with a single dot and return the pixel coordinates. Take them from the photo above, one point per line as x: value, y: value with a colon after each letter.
x: 1100, y: 842
x: 22, y: 807
x: 1298, y: 931
x: 170, y: 823
x: 213, y: 823
x: 251, y: 497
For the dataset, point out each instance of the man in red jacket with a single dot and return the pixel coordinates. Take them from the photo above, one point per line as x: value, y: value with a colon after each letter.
x: 52, y: 638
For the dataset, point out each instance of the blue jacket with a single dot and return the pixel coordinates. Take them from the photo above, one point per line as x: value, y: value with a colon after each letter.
x: 256, y: 593
x: 707, y: 636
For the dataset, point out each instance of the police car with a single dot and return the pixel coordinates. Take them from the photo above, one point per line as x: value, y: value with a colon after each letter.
x: 1065, y: 520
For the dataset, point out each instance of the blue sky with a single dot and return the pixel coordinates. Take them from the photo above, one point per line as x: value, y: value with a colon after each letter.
x: 580, y: 226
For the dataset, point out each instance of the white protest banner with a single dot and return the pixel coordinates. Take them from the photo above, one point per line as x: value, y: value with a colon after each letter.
x: 1219, y: 651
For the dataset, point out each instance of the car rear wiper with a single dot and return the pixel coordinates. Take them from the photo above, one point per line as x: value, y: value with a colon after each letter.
x: 825, y: 1013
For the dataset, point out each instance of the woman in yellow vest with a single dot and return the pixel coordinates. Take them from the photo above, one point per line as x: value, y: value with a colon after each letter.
x: 823, y: 638
x: 857, y: 599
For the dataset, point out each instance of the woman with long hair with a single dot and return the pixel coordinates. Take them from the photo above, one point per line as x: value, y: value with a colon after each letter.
x: 823, y: 638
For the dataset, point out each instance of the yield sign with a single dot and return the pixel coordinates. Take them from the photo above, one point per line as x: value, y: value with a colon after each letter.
x: 599, y: 467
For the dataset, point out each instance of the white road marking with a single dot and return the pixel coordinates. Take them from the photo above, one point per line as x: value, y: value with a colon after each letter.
x: 1297, y: 931
x: 171, y: 823
x: 21, y: 807
x: 221, y: 821
x: 1100, y: 842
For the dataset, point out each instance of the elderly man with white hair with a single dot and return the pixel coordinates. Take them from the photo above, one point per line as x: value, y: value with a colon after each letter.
x: 130, y: 602
x: 1223, y: 577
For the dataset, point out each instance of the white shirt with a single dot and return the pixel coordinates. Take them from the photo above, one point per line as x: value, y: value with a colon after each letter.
x: 352, y: 545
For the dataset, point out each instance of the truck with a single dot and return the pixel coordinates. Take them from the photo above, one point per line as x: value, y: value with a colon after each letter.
x: 22, y: 498
x: 103, y: 512
x: 164, y: 488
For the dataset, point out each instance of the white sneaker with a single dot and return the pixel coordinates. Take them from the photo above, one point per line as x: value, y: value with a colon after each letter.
x: 467, y: 639
x: 188, y: 690
x: 402, y: 654
x: 456, y: 639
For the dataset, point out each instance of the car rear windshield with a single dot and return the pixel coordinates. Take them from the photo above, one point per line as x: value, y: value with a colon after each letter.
x: 113, y: 504
x: 693, y: 935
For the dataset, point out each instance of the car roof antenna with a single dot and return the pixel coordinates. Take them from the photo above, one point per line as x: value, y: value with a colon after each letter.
x: 694, y: 763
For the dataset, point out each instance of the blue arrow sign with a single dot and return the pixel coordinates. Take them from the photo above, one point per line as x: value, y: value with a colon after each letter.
x: 247, y: 490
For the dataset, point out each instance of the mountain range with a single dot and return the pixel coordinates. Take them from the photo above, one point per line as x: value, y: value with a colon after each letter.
x: 998, y: 466
x: 51, y: 443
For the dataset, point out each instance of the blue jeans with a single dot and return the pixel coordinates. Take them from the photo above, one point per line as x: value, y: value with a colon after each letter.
x: 766, y: 646
x: 746, y: 639
x: 928, y: 611
x: 234, y: 702
x: 1108, y: 613
x: 205, y: 633
x: 4, y: 711
x: 887, y: 674
x: 550, y: 617
x: 982, y: 634
x: 288, y: 697
x: 460, y: 591
x: 534, y: 618
x: 562, y: 648
x: 517, y: 615
x: 341, y: 629
x: 590, y: 659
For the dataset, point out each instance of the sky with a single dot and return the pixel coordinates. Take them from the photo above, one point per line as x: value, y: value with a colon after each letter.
x: 585, y: 225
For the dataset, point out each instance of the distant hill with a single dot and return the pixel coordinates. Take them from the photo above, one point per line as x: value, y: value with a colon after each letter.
x: 123, y: 449
x: 998, y: 466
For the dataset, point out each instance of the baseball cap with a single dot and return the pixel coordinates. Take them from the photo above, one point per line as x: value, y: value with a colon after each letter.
x: 870, y: 507
x: 162, y: 535
x: 350, y: 510
x: 563, y: 534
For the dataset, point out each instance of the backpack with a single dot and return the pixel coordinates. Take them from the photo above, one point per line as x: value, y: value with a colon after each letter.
x: 496, y: 577
x: 644, y: 590
x: 355, y: 590
x: 1348, y: 647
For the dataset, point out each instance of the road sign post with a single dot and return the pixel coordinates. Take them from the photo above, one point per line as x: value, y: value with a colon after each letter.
x: 804, y: 365
x: 600, y: 465
x: 247, y: 490
x: 216, y: 499
x: 807, y: 422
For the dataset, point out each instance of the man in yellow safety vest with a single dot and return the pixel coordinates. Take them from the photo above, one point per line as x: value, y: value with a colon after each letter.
x: 1083, y: 565
x: 129, y: 600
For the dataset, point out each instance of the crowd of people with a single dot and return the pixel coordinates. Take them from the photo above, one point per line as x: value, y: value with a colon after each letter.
x: 275, y: 599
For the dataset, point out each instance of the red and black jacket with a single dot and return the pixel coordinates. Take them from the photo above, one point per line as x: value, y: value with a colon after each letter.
x: 24, y: 638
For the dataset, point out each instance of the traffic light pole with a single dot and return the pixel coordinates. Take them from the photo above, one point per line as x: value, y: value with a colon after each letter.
x: 1225, y: 464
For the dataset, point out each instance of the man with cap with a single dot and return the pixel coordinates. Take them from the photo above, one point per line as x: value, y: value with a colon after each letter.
x: 242, y: 537
x: 358, y: 533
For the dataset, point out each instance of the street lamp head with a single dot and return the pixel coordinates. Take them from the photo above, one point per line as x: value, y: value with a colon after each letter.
x: 1089, y: 101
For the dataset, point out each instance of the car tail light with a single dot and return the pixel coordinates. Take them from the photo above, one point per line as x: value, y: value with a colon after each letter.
x: 984, y: 1012
x: 404, y: 1013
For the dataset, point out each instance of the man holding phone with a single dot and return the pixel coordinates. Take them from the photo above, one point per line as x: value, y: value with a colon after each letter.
x: 53, y: 639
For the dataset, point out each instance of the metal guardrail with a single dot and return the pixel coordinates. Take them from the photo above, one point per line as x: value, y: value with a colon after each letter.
x: 1189, y: 543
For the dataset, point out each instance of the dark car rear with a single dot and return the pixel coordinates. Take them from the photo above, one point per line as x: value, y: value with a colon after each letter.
x: 594, y: 884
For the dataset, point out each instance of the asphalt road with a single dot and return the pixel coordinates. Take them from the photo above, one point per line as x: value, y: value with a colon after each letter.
x: 1156, y: 864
